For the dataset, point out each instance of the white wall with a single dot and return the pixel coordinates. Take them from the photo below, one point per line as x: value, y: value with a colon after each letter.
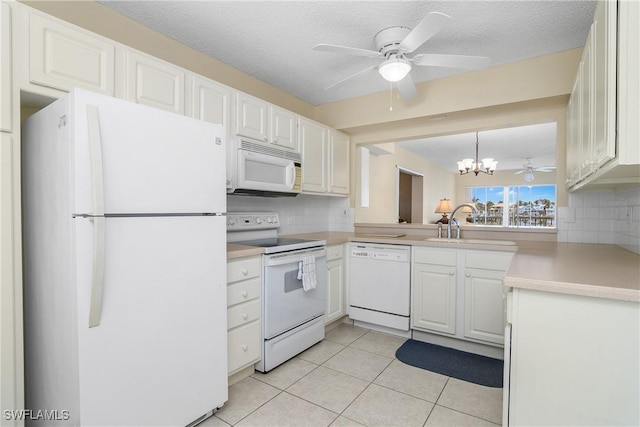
x: 300, y: 214
x: 602, y: 217
x: 437, y: 183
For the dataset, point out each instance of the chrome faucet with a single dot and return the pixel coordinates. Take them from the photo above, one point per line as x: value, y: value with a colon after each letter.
x: 469, y: 205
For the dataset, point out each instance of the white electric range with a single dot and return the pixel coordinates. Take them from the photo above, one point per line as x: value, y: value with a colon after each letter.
x: 292, y: 318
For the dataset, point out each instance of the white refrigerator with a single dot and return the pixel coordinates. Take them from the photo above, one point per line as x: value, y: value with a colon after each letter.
x: 124, y: 264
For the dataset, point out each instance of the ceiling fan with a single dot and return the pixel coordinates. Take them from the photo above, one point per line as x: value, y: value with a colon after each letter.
x: 393, y: 44
x: 528, y: 170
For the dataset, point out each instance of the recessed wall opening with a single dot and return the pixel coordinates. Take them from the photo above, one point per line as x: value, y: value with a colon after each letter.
x: 409, y: 196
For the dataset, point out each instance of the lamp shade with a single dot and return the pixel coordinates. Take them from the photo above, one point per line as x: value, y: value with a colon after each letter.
x: 444, y: 206
x: 394, y: 69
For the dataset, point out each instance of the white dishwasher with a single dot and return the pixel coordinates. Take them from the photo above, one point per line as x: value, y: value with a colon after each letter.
x: 380, y: 285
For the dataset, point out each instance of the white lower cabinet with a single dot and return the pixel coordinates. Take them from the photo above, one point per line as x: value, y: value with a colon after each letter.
x: 335, y: 283
x: 459, y: 293
x: 574, y: 361
x: 484, y: 317
x: 434, y: 291
x: 244, y: 308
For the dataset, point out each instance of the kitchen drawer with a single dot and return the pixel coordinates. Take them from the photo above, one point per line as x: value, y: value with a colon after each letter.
x: 335, y: 252
x: 488, y: 260
x: 243, y: 313
x: 243, y: 346
x: 243, y: 268
x: 434, y: 256
x: 243, y: 291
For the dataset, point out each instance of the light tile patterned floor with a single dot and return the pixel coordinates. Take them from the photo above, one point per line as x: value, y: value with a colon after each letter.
x: 352, y: 378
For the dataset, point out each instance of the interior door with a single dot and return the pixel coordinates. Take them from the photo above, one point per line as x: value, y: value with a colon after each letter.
x: 158, y: 355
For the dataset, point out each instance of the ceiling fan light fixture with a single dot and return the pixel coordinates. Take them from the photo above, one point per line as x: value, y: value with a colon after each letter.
x: 394, y: 69
x: 529, y: 177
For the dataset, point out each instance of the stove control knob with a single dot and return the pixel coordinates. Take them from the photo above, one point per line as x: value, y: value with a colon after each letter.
x: 259, y: 220
x: 274, y: 219
x: 232, y: 221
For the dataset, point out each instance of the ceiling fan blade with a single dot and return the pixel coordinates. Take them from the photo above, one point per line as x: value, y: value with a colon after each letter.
x: 427, y: 28
x: 407, y: 88
x: 545, y: 169
x: 352, y: 76
x: 347, y: 50
x: 452, y: 61
x: 519, y: 172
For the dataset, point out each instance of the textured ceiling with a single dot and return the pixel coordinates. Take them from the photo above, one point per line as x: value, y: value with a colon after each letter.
x: 273, y: 40
x: 510, y: 147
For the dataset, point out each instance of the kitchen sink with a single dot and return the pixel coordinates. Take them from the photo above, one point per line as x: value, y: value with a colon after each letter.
x: 471, y: 241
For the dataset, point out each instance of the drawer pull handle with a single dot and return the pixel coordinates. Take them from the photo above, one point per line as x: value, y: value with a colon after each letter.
x: 468, y: 275
x: 244, y: 347
x: 245, y: 271
x: 244, y: 294
x: 245, y: 316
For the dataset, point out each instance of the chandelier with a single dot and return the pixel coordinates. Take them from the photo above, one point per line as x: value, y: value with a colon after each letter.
x: 470, y: 165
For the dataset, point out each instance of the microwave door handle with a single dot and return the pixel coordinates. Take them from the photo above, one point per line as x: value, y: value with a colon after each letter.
x: 291, y: 175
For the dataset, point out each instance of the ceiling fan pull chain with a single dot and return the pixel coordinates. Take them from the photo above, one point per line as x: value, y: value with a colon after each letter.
x: 390, y: 96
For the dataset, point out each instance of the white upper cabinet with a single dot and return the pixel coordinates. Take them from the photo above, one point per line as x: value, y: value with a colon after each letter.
x: 339, y: 150
x: 62, y: 56
x: 210, y: 101
x: 605, y: 97
x: 6, y: 75
x: 252, y: 115
x: 628, y: 100
x: 284, y: 128
x: 151, y: 81
x: 314, y: 147
x: 259, y: 120
x: 603, y: 90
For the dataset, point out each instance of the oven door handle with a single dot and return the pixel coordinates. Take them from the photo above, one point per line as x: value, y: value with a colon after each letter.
x: 291, y: 258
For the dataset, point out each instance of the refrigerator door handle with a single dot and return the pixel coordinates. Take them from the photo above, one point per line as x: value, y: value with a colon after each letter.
x: 95, y: 146
x: 97, y: 274
x: 97, y: 217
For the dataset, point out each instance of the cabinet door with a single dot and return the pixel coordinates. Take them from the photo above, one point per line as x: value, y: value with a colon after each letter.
x: 313, y: 144
x: 335, y: 289
x: 434, y: 298
x: 484, y: 317
x: 6, y: 75
x: 210, y: 101
x: 251, y: 117
x: 604, y: 82
x: 63, y: 57
x: 153, y: 82
x: 574, y: 127
x: 339, y: 150
x: 586, y: 129
x: 284, y: 128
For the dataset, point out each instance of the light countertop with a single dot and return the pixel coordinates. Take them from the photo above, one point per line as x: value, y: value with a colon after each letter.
x: 595, y: 270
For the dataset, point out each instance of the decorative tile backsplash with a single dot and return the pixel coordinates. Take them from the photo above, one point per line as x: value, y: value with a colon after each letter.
x: 300, y: 214
x: 602, y: 217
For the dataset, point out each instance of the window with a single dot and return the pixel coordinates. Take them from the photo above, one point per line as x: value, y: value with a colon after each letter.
x: 514, y: 206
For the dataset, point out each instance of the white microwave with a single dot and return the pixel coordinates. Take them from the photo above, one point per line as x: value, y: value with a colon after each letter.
x: 266, y: 171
